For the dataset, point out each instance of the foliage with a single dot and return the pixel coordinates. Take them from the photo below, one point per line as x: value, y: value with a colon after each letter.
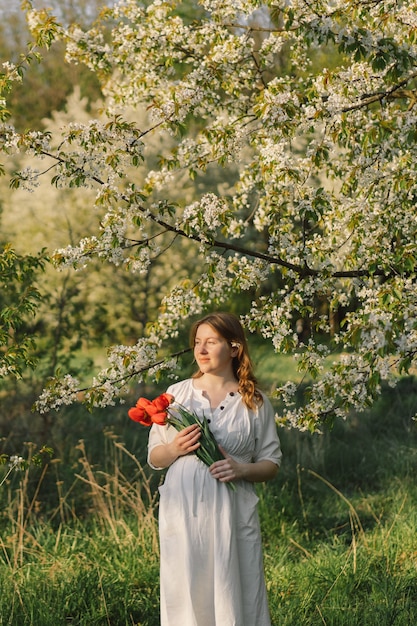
x: 19, y: 299
x: 46, y: 85
x: 99, y: 304
x: 317, y: 219
x: 18, y: 463
x: 58, y: 582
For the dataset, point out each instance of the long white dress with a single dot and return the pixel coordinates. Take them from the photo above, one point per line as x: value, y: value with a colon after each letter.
x: 211, y: 571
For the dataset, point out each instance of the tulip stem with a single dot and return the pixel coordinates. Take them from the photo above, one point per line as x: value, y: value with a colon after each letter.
x: 208, y: 451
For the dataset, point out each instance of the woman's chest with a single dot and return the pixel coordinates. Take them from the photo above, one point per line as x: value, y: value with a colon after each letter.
x: 234, y: 431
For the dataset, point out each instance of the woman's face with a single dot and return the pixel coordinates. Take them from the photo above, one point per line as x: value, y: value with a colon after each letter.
x: 212, y: 352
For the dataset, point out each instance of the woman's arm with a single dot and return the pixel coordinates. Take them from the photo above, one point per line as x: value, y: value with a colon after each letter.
x: 184, y: 442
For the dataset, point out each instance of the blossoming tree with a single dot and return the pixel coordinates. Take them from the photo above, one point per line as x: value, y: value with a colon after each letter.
x: 318, y: 214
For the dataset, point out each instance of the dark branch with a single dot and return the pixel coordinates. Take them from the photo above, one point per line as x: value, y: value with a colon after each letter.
x: 302, y: 270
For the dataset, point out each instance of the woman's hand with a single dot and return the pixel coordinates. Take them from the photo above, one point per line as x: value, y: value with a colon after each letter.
x: 228, y: 470
x: 184, y: 442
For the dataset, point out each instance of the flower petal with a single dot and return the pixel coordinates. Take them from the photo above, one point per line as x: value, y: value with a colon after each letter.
x: 143, y: 403
x: 163, y: 401
x: 139, y: 415
x: 160, y: 418
x: 151, y: 409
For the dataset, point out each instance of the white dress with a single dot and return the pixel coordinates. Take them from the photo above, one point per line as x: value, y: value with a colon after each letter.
x: 211, y: 555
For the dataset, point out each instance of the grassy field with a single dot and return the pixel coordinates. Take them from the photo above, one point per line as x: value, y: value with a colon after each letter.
x: 78, y: 539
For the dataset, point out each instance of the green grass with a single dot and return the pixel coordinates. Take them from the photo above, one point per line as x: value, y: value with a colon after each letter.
x: 81, y: 574
x: 94, y: 561
x: 343, y: 561
x: 78, y: 543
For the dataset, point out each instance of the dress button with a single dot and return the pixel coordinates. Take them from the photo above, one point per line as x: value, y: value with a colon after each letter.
x: 232, y: 393
x: 208, y: 421
x: 221, y: 408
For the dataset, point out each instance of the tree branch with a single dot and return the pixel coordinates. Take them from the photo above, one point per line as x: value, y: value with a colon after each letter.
x: 379, y: 96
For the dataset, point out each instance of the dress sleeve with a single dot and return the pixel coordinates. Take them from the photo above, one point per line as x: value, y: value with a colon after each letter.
x: 267, y: 444
x: 159, y: 436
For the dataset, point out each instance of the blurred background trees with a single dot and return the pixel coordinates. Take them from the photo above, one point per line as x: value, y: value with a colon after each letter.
x: 47, y: 85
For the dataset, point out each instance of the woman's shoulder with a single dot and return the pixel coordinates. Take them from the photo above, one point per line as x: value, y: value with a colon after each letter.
x: 265, y: 405
x: 180, y: 385
x: 181, y: 390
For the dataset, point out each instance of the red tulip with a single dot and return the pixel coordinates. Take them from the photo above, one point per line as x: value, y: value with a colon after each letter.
x: 143, y: 403
x: 163, y: 401
x: 147, y: 413
x: 138, y: 414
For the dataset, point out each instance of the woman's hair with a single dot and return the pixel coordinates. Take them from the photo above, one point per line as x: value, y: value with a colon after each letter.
x: 229, y: 327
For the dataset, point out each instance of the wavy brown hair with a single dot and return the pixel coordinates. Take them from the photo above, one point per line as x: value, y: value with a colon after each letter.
x: 229, y: 327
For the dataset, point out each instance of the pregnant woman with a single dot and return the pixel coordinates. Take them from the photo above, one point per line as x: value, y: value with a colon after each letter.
x: 211, y: 569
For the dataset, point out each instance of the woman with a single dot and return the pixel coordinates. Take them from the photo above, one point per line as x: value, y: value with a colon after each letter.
x: 211, y: 554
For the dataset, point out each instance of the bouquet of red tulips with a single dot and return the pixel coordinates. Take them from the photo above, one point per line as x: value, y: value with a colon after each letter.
x: 148, y: 412
x: 157, y: 411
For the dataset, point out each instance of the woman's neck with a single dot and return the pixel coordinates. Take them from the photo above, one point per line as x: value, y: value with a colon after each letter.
x: 215, y: 388
x: 216, y: 381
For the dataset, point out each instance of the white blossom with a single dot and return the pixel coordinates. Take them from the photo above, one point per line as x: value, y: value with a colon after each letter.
x: 59, y: 393
x: 16, y: 462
